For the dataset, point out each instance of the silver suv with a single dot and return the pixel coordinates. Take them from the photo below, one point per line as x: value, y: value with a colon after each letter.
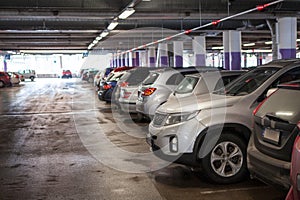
x: 212, y: 130
x: 158, y: 86
x: 28, y: 74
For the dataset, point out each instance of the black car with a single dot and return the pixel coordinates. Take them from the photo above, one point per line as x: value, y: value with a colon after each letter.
x: 274, y: 131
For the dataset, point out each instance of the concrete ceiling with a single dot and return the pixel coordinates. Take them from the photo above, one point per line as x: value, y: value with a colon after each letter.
x: 74, y: 24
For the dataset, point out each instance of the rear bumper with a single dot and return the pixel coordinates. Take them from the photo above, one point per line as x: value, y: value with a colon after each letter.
x: 268, y: 169
x: 128, y: 107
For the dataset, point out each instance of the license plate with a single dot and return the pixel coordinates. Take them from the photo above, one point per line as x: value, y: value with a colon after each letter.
x: 271, y: 135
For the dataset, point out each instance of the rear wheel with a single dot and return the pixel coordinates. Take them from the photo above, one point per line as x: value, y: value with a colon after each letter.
x: 227, y: 162
x: 31, y: 78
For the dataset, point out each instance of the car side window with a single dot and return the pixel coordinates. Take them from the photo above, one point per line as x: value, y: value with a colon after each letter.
x: 290, y: 75
x: 175, y: 79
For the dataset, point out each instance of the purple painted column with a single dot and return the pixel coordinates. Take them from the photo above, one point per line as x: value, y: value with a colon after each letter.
x: 226, y: 46
x: 235, y: 49
x: 232, y: 50
x: 287, y: 37
x: 123, y: 60
x: 137, y: 58
x: 199, y: 48
x: 120, y: 60
x: 163, y: 55
x: 178, y: 53
x: 4, y: 65
x: 151, y: 57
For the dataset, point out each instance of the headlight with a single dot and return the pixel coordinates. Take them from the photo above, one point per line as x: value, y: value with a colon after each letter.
x: 180, y: 117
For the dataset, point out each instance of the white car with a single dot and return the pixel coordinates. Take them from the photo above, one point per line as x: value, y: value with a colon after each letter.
x: 28, y: 74
x: 14, y: 78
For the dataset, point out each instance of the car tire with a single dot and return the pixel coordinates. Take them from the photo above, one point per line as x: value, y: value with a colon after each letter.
x: 31, y: 78
x: 227, y: 162
x: 139, y: 117
x: 2, y: 84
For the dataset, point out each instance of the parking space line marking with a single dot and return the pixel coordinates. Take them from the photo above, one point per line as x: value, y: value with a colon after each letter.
x: 233, y: 190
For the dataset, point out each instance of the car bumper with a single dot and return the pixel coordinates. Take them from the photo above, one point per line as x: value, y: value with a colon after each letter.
x: 128, y: 107
x: 186, y: 134
x: 268, y: 169
x: 146, y: 108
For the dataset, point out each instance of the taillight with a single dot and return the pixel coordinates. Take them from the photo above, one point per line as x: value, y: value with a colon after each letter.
x: 148, y: 91
x: 124, y: 84
x: 16, y: 75
x: 106, y: 87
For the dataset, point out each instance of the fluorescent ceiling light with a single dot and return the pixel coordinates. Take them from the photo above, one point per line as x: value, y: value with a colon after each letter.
x: 269, y: 42
x: 298, y: 40
x: 104, y: 34
x: 95, y: 42
x: 217, y: 48
x: 249, y: 44
x: 112, y: 25
x: 126, y: 13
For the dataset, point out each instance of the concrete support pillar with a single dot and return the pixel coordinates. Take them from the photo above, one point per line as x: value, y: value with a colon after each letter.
x: 137, y: 59
x: 199, y: 48
x: 287, y: 37
x: 178, y: 53
x: 163, y: 55
x: 133, y: 59
x: 127, y: 61
x: 151, y: 57
x: 232, y: 50
x: 4, y: 65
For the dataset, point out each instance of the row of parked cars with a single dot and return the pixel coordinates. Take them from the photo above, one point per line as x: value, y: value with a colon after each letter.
x: 228, y: 123
x: 14, y: 78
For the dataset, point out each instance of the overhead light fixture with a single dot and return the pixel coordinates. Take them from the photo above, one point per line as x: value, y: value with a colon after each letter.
x: 104, y: 34
x: 126, y: 13
x: 298, y: 40
x: 95, y: 42
x: 112, y: 25
x: 249, y: 44
x: 217, y: 48
x: 269, y: 42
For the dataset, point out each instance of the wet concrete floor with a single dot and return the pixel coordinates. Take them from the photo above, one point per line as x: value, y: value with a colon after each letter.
x: 58, y: 141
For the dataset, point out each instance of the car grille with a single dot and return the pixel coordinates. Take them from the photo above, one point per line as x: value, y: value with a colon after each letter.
x: 159, y: 119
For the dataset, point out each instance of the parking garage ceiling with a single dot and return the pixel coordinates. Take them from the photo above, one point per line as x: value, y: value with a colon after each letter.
x: 74, y: 24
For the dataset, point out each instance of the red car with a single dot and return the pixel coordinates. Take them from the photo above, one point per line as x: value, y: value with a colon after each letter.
x: 4, y: 79
x: 66, y: 74
x: 294, y: 193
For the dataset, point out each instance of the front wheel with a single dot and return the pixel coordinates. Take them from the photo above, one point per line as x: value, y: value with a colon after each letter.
x: 32, y: 78
x: 227, y: 162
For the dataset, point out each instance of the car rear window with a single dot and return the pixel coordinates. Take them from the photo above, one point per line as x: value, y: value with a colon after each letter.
x: 283, y: 104
x: 187, y: 85
x: 137, y: 76
x: 151, y: 79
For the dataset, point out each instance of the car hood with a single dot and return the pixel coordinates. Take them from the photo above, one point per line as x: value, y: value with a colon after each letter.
x: 197, y: 102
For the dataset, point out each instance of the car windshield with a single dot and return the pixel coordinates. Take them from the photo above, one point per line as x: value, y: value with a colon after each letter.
x: 187, y: 85
x: 248, y: 82
x: 151, y: 79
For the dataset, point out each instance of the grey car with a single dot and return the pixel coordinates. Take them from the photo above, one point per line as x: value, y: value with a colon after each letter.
x: 155, y: 90
x: 212, y: 130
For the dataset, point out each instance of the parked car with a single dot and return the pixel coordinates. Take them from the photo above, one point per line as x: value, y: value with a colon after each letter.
x: 91, y: 74
x: 200, y: 83
x: 212, y: 130
x: 126, y: 91
x: 66, y: 74
x: 4, y: 79
x: 100, y: 76
x: 107, y: 87
x: 20, y: 76
x: 14, y: 78
x: 156, y: 88
x: 274, y: 132
x: 28, y: 74
x: 294, y: 192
